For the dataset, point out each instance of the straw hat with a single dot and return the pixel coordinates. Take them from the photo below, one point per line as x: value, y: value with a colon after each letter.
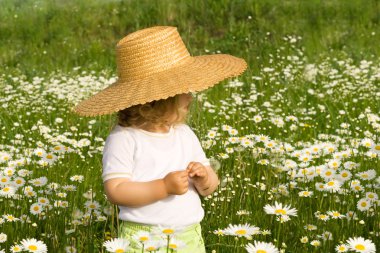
x: 153, y: 64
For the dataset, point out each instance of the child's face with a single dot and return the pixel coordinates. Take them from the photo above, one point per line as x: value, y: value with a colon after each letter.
x: 185, y: 100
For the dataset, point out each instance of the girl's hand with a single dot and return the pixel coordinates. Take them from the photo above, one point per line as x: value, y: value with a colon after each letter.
x: 198, y: 172
x: 176, y: 182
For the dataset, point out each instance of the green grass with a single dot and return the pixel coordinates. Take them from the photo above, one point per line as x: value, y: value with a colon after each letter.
x: 49, y: 39
x: 42, y: 36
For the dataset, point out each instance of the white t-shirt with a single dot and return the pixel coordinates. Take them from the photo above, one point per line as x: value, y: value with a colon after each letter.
x: 145, y: 156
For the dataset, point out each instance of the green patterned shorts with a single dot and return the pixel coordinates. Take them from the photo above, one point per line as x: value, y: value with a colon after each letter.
x: 191, y: 236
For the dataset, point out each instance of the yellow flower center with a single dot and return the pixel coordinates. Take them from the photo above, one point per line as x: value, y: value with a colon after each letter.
x: 363, y: 204
x: 32, y: 247
x: 241, y: 232
x: 365, y: 176
x: 57, y: 147
x: 342, y: 248
x: 377, y: 147
x: 150, y: 248
x: 143, y: 238
x: 168, y: 231
x: 49, y: 156
x: 36, y: 208
x: 172, y: 246
x: 119, y: 251
x: 4, y: 180
x: 280, y: 211
x: 360, y: 247
x: 261, y: 251
x: 328, y: 173
x: 330, y: 183
x: 6, y: 189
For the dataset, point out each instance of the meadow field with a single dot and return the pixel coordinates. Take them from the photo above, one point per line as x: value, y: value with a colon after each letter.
x: 294, y: 140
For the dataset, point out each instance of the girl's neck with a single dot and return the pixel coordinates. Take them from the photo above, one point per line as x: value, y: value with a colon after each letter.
x: 156, y: 129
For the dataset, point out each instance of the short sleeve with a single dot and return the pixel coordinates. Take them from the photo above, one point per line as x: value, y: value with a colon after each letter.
x: 199, y: 154
x: 118, y: 156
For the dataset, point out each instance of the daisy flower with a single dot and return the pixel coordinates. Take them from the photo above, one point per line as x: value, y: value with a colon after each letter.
x: 344, y: 175
x: 371, y: 196
x: 43, y: 201
x: 359, y: 244
x: 315, y: 243
x: 16, y: 248
x: 261, y: 247
x: 304, y: 239
x: 335, y: 214
x: 33, y: 245
x: 39, y: 152
x: 219, y: 232
x: 232, y: 131
x: 279, y: 209
x: 333, y: 185
x: 36, y: 208
x: 50, y: 158
x: 363, y: 204
x: 341, y: 248
x: 245, y: 230
x: 261, y: 137
x: 310, y: 227
x: 257, y: 118
x: 10, y: 217
x: 328, y: 173
x: 366, y: 142
x: 5, y: 180
x: 334, y: 164
x: 18, y: 181
x: 142, y: 236
x: 367, y: 175
x: 7, y: 191
x: 117, y: 245
x: 151, y: 245
x: 351, y: 215
x: 166, y: 230
x: 245, y: 142
x: 41, y: 181
x: 3, y: 237
x: 91, y: 205
x: 283, y: 218
x: 176, y: 244
x: 322, y: 216
x: 211, y: 134
x: 376, y: 148
x: 305, y: 193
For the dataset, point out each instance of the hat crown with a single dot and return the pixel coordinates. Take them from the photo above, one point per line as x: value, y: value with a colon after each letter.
x: 148, y: 51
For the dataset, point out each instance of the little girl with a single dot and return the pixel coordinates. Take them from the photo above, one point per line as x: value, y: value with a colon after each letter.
x: 154, y: 167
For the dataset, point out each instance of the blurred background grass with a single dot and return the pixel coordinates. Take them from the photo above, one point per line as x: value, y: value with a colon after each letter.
x: 38, y: 37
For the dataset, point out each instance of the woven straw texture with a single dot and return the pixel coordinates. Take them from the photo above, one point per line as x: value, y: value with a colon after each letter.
x: 153, y: 64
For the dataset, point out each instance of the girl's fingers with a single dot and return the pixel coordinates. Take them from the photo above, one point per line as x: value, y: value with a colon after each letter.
x: 200, y: 172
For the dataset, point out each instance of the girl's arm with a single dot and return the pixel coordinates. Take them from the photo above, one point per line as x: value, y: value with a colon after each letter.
x: 122, y: 191
x: 210, y: 186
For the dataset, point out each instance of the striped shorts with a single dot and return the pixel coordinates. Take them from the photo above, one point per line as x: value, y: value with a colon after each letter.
x: 190, y: 235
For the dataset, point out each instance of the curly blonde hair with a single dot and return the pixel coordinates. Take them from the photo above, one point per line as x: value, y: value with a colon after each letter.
x: 158, y: 113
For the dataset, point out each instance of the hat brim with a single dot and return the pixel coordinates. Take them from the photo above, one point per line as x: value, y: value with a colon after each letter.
x: 199, y: 73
